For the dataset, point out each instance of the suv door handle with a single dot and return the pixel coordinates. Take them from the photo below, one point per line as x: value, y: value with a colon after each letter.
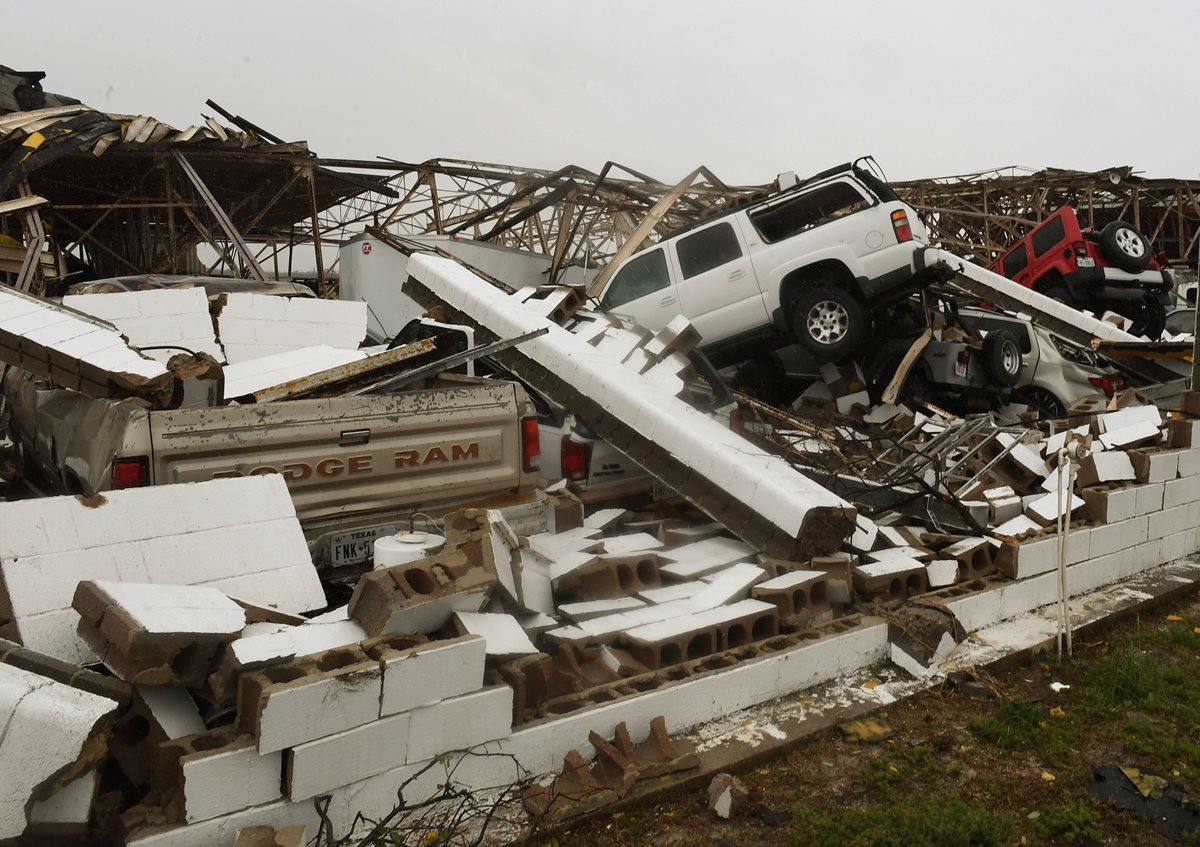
x: 666, y: 301
x: 738, y: 274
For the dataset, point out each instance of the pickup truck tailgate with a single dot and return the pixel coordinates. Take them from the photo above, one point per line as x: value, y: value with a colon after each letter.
x: 352, y: 454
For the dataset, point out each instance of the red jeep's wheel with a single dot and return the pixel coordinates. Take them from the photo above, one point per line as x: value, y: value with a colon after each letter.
x: 1148, y: 315
x: 1125, y: 247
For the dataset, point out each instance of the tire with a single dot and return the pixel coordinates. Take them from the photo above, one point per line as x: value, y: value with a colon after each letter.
x: 1125, y: 247
x: 1149, y: 316
x: 1061, y: 294
x: 829, y: 322
x: 1047, y: 405
x: 762, y: 379
x: 1002, y: 358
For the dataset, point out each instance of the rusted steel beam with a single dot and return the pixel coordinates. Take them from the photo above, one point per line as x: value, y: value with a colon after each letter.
x: 223, y: 220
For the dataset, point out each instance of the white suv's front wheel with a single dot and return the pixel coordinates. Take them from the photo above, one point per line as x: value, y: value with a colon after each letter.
x: 829, y: 322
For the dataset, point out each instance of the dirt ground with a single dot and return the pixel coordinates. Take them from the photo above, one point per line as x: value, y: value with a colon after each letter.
x: 998, y: 760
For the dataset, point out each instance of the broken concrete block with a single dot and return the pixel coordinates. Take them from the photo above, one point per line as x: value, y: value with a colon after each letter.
x: 156, y: 714
x: 65, y: 672
x: 941, y: 572
x: 319, y: 767
x: 1018, y: 527
x: 249, y: 376
x: 895, y: 578
x: 276, y: 644
x: 671, y: 641
x: 604, y: 519
x: 865, y: 533
x: 1128, y: 416
x: 1142, y: 433
x: 1154, y: 465
x: 659, y: 754
x: 595, y: 608
x: 1109, y: 505
x: 239, y: 536
x: 730, y: 584
x: 902, y: 655
x: 1047, y: 508
x: 840, y: 579
x: 214, y: 774
x: 799, y: 596
x: 460, y: 723
x: 66, y: 812
x: 419, y: 596
x: 418, y: 674
x: 1099, y: 468
x: 635, y: 542
x: 672, y: 592
x: 613, y: 769
x: 46, y: 741
x: 726, y: 796
x: 605, y: 577
x: 974, y: 557
x: 289, y: 704
x: 699, y: 558
x: 502, y: 634
x: 157, y: 634
x: 574, y: 791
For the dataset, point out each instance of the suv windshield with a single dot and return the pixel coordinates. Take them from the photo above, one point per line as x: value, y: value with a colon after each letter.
x: 805, y: 211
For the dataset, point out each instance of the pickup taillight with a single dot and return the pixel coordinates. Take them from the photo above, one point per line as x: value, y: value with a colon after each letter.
x: 575, y: 458
x: 531, y: 445
x: 130, y: 472
x: 901, y: 226
x: 1110, y: 385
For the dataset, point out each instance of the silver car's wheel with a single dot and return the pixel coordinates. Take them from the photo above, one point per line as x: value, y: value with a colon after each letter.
x: 828, y: 322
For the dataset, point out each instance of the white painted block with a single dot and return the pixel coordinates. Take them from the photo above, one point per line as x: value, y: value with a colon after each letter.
x: 1173, y: 520
x: 156, y: 317
x: 460, y: 723
x: 319, y: 708
x: 320, y: 766
x: 1130, y: 416
x: 1148, y: 498
x: 1128, y: 435
x: 502, y: 634
x: 239, y: 536
x: 605, y: 518
x: 71, y: 804
x: 1118, y: 536
x: 173, y: 709
x: 596, y: 608
x: 1018, y: 527
x: 254, y: 373
x: 432, y: 673
x: 675, y: 627
x: 1189, y: 462
x: 728, y: 585
x: 1047, y: 508
x: 228, y: 781
x: 899, y: 564
x: 1177, y: 492
x: 699, y: 558
x: 636, y: 542
x: 44, y: 726
x: 177, y: 609
x: 282, y: 642
x: 675, y: 591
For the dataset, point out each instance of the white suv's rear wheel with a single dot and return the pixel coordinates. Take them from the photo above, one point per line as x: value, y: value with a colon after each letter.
x: 829, y: 322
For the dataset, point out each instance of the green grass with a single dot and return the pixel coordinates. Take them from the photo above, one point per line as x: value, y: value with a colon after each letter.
x: 940, y: 820
x: 1018, y: 727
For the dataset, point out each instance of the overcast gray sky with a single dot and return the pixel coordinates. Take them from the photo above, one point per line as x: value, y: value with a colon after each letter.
x: 747, y: 88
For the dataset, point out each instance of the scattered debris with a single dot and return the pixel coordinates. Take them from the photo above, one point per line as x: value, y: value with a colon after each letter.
x: 726, y: 796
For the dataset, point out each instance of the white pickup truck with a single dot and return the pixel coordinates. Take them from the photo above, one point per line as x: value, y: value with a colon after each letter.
x: 810, y: 264
x: 357, y: 467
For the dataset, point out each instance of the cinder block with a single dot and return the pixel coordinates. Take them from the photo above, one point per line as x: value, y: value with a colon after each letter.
x: 1189, y: 460
x: 669, y: 642
x: 500, y: 632
x: 157, y: 634
x: 321, y: 766
x: 1177, y: 492
x: 1170, y: 521
x: 725, y: 586
x: 460, y: 723
x: 416, y: 675
x: 605, y: 577
x: 290, y: 704
x: 896, y: 578
x: 1110, y: 505
x: 799, y: 595
x: 1154, y: 465
x: 1118, y: 536
x: 419, y: 596
x: 216, y: 773
x: 1149, y: 498
x: 941, y: 572
x: 48, y: 728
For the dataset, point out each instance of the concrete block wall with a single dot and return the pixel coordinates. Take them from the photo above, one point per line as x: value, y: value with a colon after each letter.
x: 240, y: 536
x: 251, y: 326
x: 151, y: 318
x: 255, y: 374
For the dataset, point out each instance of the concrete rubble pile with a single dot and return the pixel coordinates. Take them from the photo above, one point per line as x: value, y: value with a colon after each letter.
x: 175, y: 672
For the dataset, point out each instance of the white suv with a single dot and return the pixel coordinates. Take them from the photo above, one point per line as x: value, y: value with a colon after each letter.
x: 810, y: 263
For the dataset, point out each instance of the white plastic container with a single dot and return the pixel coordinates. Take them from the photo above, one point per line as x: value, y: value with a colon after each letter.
x: 406, y: 547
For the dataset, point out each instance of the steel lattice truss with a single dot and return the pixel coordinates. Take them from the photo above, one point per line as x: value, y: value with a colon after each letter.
x: 980, y: 215
x: 571, y: 214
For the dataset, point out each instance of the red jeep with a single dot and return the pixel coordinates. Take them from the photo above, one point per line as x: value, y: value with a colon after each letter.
x: 1110, y: 269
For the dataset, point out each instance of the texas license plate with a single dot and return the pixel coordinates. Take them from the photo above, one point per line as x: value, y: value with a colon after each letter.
x: 1086, y: 262
x: 350, y: 548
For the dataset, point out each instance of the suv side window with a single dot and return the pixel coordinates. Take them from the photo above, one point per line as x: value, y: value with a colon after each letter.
x: 1048, y: 235
x: 707, y: 249
x: 1016, y: 261
x: 643, y: 275
x: 808, y: 210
